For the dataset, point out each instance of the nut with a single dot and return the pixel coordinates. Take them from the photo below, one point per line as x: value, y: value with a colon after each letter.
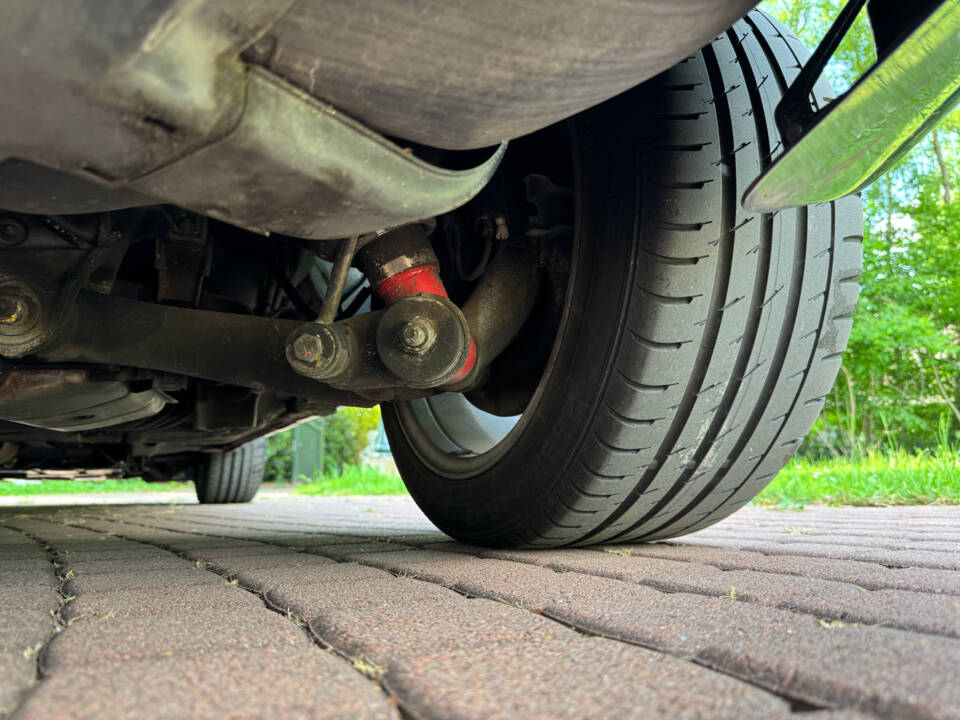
x: 417, y: 336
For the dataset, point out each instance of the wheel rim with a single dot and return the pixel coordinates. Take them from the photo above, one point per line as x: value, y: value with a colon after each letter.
x: 454, y: 438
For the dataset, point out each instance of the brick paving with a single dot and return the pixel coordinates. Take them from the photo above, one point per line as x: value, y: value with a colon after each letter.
x: 359, y: 608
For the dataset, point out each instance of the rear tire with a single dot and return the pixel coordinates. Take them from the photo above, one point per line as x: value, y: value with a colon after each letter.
x: 233, y: 476
x: 699, y: 340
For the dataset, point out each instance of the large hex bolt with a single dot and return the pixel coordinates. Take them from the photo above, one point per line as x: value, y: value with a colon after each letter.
x: 319, y: 351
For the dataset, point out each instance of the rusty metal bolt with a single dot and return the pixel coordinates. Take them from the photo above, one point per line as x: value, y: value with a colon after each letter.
x: 318, y: 351
x: 307, y: 348
x: 418, y: 335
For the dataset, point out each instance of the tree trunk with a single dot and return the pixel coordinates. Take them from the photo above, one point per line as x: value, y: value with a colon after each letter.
x: 944, y: 171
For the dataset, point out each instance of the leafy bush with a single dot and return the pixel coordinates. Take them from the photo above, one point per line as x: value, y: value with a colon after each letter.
x: 345, y: 435
x: 279, y: 464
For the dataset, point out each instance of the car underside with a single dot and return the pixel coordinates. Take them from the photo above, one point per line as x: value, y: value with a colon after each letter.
x: 518, y: 227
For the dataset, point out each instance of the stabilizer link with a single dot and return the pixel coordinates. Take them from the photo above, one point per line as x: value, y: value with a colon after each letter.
x: 421, y: 340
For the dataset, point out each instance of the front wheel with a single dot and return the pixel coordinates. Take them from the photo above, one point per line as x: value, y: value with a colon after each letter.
x: 696, y: 341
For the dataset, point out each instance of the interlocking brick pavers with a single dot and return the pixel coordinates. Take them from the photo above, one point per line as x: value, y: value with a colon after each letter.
x: 306, y: 683
x: 448, y: 656
x: 29, y: 602
x: 881, y: 669
x: 173, y: 599
x: 424, y: 642
x: 857, y: 572
x: 763, y: 616
x: 134, y: 655
x: 926, y: 612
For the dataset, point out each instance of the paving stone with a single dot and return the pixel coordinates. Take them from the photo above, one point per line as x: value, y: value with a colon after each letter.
x: 271, y: 683
x: 343, y: 552
x: 17, y: 674
x: 881, y: 556
x: 132, y: 578
x: 173, y: 600
x: 132, y: 552
x: 812, y: 536
x: 301, y: 561
x: 22, y: 585
x: 22, y: 633
x: 265, y: 552
x: 608, y: 680
x: 154, y: 563
x: 23, y: 560
x: 480, y: 659
x: 200, y: 632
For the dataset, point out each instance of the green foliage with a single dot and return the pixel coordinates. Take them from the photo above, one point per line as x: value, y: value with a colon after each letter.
x: 877, y: 479
x: 279, y: 463
x: 345, y: 435
x: 355, y: 480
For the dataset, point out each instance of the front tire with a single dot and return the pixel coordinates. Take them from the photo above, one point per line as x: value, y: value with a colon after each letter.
x: 698, y: 340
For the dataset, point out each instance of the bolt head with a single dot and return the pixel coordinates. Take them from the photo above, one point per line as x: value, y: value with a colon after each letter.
x: 318, y: 351
x: 307, y: 348
x: 417, y: 336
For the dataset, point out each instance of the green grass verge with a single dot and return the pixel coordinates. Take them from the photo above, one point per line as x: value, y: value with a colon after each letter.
x: 73, y: 487
x: 875, y: 479
x: 355, y: 481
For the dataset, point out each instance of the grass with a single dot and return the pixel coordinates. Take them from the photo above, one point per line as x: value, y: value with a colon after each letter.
x: 72, y: 487
x: 355, y: 481
x: 873, y: 479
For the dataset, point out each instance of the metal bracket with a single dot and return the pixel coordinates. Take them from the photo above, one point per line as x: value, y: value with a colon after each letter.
x: 794, y: 113
x: 841, y: 149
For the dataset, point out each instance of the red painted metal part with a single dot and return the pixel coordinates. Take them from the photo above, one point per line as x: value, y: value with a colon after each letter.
x: 423, y: 279
x: 468, y: 364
